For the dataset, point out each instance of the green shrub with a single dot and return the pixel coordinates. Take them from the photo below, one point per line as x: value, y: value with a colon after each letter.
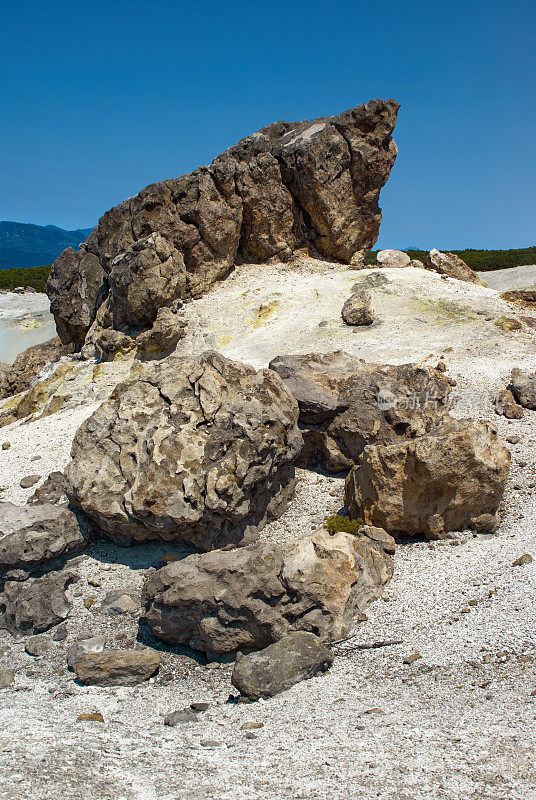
x: 339, y: 523
x: 31, y: 276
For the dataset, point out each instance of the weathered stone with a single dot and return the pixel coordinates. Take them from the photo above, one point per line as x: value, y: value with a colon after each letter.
x: 345, y: 404
x: 29, y: 480
x: 21, y: 374
x: 121, y: 602
x: 506, y: 406
x: 393, y: 258
x: 6, y: 678
x: 523, y: 386
x: 34, y: 535
x: 288, y: 186
x: 180, y: 717
x: 452, y: 266
x: 91, y: 716
x: 38, y: 645
x: 357, y: 310
x: 250, y: 597
x: 279, y: 666
x: 523, y: 560
x: 196, y: 450
x: 35, y: 605
x: 53, y: 490
x: 442, y: 481
x: 379, y: 537
x: 117, y: 667
x: 94, y: 644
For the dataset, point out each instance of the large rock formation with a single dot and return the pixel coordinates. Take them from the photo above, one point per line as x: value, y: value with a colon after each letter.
x: 250, y: 597
x: 196, y: 450
x: 346, y: 404
x: 447, y: 480
x: 285, y: 187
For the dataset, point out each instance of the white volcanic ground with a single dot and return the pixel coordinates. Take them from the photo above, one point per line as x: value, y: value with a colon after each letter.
x: 25, y: 320
x: 458, y: 724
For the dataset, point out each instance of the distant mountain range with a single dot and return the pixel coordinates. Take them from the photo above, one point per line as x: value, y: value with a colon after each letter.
x: 26, y: 245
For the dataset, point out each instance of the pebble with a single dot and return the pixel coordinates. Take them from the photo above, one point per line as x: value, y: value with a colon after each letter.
x: 6, y: 678
x: 180, y: 716
x: 412, y: 658
x: 38, y: 645
x: 29, y: 480
x: 93, y: 716
x: 209, y: 743
x: 522, y: 560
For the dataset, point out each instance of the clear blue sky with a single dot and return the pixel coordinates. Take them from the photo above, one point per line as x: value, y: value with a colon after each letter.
x: 100, y: 99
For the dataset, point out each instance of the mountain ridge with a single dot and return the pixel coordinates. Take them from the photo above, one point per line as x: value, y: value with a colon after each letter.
x: 24, y: 244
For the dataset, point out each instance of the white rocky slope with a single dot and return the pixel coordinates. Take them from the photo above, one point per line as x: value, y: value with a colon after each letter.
x: 458, y: 723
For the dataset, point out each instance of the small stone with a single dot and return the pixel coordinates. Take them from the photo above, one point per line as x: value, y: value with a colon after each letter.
x: 38, y: 645
x: 198, y: 707
x: 60, y: 633
x: 251, y: 726
x: 357, y: 310
x: 210, y: 743
x: 180, y: 716
x: 120, y: 602
x: 513, y: 439
x: 213, y: 665
x: 6, y: 445
x: 117, y: 667
x: 88, y: 602
x: 6, y: 678
x: 522, y: 560
x: 29, y: 480
x: 35, y: 458
x: 94, y: 716
x: 91, y: 644
x: 94, y: 582
x: 251, y: 736
x: 441, y: 366
x: 374, y: 710
x: 411, y: 659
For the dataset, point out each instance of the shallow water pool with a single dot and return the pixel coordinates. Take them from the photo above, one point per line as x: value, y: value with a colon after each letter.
x: 25, y: 320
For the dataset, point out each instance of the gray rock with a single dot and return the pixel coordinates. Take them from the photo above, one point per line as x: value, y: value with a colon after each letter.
x: 51, y: 491
x: 452, y: 266
x: 290, y: 185
x: 346, y: 404
x: 29, y: 480
x: 35, y: 535
x: 117, y: 667
x: 275, y: 669
x: 357, y: 310
x: 506, y: 406
x: 92, y: 644
x: 38, y: 645
x: 6, y: 678
x: 250, y: 597
x: 21, y: 374
x: 446, y: 480
x: 180, y: 717
x: 523, y: 386
x: 196, y: 450
x: 121, y: 602
x: 393, y: 258
x: 37, y: 604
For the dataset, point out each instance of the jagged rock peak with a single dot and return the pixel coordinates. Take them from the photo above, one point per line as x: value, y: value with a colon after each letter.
x: 309, y: 184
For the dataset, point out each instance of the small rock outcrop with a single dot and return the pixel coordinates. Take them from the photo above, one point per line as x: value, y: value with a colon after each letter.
x: 357, y: 310
x: 37, y: 604
x: 116, y: 667
x: 523, y: 387
x: 393, y: 258
x: 196, y: 450
x: 452, y: 266
x: 346, y: 404
x: 447, y: 480
x: 294, y: 658
x: 52, y: 490
x: 286, y: 187
x: 35, y: 535
x: 19, y: 376
x: 506, y: 406
x: 250, y: 597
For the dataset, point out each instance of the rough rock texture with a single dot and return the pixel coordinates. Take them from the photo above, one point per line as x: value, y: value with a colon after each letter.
x: 357, y: 310
x: 346, y: 404
x: 35, y: 605
x: 523, y: 387
x: 35, y: 535
x: 196, y: 450
x: 451, y: 265
x: 250, y: 597
x: 116, y: 667
x: 287, y: 186
x: 93, y: 644
x: 19, y: 376
x: 506, y: 406
x: 52, y: 490
x: 279, y: 666
x: 446, y: 480
x: 393, y: 258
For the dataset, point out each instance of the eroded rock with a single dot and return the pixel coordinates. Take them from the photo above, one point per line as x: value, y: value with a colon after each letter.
x: 357, y: 310
x: 523, y: 386
x: 393, y: 258
x: 117, y: 667
x: 452, y: 266
x: 250, y: 597
x: 35, y: 605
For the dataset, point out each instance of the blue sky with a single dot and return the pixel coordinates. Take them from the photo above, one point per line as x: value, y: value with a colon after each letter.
x: 100, y: 99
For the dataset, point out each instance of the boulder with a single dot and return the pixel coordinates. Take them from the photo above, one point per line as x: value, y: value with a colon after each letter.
x: 393, y: 258
x: 357, y: 310
x: 35, y: 605
x: 195, y: 450
x: 22, y: 373
x: 52, y: 490
x: 34, y: 535
x: 345, y: 404
x: 250, y: 597
x: 116, y: 667
x: 452, y: 266
x: 447, y: 480
x: 94, y: 644
x: 279, y: 666
x: 523, y: 387
x: 289, y: 186
x: 506, y: 406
